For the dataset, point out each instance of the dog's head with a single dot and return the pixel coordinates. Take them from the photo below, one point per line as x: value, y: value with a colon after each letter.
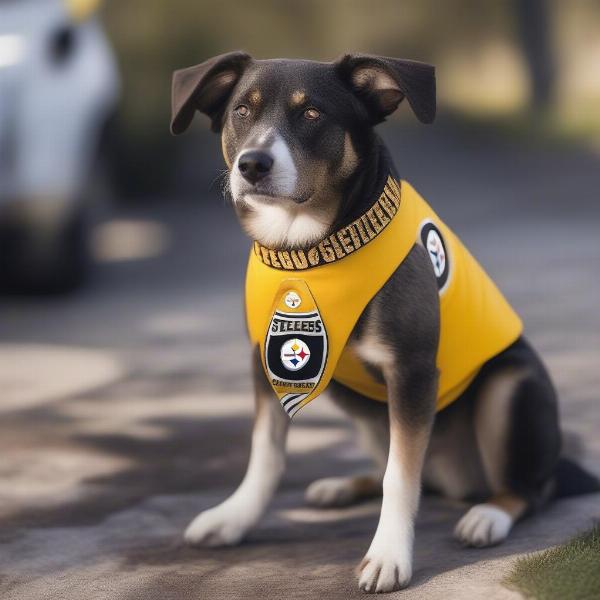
x: 295, y: 132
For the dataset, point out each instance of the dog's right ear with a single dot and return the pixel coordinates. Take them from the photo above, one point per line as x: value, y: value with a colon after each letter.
x: 381, y: 83
x: 205, y: 87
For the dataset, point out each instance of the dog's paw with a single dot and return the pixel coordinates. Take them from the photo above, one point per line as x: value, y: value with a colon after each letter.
x: 383, y: 573
x: 331, y: 491
x: 219, y: 526
x: 483, y: 525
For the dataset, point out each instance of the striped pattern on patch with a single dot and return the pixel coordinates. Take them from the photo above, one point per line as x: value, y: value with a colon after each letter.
x: 291, y: 403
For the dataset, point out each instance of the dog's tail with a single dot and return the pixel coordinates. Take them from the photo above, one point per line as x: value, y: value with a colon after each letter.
x: 573, y: 480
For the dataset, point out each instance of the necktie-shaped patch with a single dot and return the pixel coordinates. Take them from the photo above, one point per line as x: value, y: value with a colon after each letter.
x: 295, y: 351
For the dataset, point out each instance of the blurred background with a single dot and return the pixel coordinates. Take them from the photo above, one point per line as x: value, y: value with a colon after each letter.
x: 124, y: 376
x: 85, y: 95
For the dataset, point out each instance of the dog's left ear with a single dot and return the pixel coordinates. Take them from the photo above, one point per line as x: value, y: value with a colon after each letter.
x: 382, y: 83
x: 205, y: 87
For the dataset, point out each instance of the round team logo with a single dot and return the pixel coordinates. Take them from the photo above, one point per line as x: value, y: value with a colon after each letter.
x: 432, y: 240
x: 294, y: 354
x: 292, y: 299
x: 436, y: 252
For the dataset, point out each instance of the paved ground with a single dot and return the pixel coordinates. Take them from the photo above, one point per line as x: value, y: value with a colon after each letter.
x: 126, y: 409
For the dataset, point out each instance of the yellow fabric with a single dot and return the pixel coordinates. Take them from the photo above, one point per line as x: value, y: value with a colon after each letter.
x: 476, y: 322
x: 80, y: 10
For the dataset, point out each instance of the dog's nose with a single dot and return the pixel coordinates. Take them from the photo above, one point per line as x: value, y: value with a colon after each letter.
x: 254, y: 165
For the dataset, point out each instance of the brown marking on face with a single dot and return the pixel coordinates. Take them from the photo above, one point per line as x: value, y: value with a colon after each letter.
x: 350, y: 158
x: 255, y: 97
x: 224, y: 150
x: 298, y: 98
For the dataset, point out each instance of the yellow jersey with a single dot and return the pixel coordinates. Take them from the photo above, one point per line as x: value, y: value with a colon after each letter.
x: 302, y: 305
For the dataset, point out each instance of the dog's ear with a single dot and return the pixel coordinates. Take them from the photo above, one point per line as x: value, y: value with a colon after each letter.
x: 381, y: 83
x: 205, y: 87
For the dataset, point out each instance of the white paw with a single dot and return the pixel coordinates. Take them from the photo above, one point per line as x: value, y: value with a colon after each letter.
x: 483, y: 525
x: 387, y: 566
x: 331, y: 491
x: 384, y: 573
x: 219, y: 526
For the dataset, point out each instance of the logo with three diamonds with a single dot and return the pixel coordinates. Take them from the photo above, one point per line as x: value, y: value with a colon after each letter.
x: 436, y: 252
x: 433, y: 242
x: 294, y: 354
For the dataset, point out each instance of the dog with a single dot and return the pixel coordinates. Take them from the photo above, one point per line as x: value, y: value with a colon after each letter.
x: 304, y: 162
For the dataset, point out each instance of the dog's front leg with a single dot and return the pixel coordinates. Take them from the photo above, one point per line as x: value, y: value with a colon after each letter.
x: 227, y: 523
x: 387, y: 566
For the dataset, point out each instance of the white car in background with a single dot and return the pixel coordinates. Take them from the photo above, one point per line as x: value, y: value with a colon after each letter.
x: 59, y: 87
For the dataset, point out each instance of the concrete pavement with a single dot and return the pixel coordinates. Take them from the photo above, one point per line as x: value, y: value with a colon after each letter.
x: 126, y: 409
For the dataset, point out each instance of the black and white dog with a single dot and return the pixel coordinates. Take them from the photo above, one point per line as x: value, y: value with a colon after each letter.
x: 302, y: 154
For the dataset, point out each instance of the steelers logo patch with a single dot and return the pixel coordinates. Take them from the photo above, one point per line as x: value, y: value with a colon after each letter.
x: 295, y: 354
x: 295, y: 349
x: 434, y: 244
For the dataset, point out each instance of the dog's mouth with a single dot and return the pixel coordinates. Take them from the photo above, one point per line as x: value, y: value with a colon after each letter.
x: 268, y: 198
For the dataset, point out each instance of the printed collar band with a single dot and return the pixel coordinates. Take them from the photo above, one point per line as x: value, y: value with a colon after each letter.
x: 341, y: 243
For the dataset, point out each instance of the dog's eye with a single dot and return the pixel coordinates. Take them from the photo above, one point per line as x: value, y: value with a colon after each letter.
x: 311, y: 114
x: 242, y: 110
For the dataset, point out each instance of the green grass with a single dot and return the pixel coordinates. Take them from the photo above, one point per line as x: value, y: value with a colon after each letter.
x: 569, y: 571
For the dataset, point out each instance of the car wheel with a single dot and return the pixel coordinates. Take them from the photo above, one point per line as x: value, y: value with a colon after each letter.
x: 48, y: 259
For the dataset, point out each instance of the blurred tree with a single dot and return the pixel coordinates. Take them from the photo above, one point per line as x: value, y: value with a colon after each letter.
x: 534, y: 18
